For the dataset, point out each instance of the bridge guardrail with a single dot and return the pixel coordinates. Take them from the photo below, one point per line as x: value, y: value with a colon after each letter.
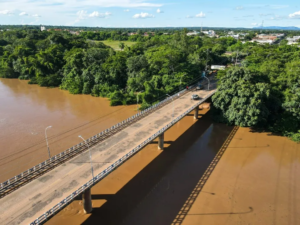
x: 76, y: 147
x: 43, y: 218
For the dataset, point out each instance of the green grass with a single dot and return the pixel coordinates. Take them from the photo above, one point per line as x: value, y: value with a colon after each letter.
x: 115, y: 44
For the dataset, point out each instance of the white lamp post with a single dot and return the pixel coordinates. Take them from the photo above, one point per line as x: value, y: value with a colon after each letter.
x: 90, y: 156
x: 180, y: 80
x: 208, y: 82
x: 172, y: 104
x: 47, y: 140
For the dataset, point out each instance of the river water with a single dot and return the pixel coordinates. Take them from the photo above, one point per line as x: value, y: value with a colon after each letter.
x: 190, y: 146
x: 154, y: 186
x: 25, y: 112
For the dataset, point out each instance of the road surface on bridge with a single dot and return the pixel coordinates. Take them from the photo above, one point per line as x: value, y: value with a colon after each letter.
x: 33, y: 199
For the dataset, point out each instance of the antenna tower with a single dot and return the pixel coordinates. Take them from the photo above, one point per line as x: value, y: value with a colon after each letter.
x: 262, y: 25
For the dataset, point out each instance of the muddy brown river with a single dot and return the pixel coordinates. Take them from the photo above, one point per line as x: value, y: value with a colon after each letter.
x: 25, y: 112
x: 255, y: 182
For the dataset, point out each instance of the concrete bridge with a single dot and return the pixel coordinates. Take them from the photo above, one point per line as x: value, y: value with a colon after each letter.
x: 40, y: 199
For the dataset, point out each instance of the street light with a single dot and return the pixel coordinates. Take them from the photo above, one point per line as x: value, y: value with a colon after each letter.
x: 172, y: 105
x: 47, y: 140
x: 208, y: 81
x: 206, y: 59
x: 90, y: 156
x: 180, y: 80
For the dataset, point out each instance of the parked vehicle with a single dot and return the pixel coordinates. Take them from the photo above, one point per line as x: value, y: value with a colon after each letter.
x: 195, y: 97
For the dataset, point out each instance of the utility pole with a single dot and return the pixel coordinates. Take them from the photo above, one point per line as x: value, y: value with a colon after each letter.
x: 206, y: 61
x: 236, y: 58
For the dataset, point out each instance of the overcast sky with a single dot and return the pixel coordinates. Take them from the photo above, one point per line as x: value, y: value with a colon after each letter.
x: 151, y: 13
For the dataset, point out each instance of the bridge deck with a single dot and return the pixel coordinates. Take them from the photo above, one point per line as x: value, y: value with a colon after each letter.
x: 35, y: 198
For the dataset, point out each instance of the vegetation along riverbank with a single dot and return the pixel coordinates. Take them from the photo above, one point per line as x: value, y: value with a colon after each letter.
x: 259, y: 88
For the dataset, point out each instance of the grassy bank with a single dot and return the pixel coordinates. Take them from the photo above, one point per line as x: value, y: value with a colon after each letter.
x: 115, y: 44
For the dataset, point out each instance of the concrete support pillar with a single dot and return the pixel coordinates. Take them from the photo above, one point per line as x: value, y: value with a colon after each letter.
x: 161, y: 141
x: 196, y: 113
x: 87, y: 201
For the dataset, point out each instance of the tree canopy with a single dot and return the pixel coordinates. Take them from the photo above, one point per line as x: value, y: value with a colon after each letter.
x: 263, y: 92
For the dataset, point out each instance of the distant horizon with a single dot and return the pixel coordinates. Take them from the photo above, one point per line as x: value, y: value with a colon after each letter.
x: 151, y: 13
x: 188, y: 27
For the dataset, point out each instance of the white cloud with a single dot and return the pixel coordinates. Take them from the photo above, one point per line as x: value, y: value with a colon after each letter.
x: 63, y: 12
x: 81, y: 15
x: 189, y: 17
x: 5, y: 12
x: 266, y: 14
x: 254, y: 24
x: 36, y: 15
x: 239, y: 8
x: 200, y: 15
x: 126, y: 10
x: 159, y: 11
x: 295, y: 15
x: 99, y: 15
x: 276, y: 17
x: 23, y: 14
x: 143, y: 16
x: 278, y: 6
x: 67, y: 4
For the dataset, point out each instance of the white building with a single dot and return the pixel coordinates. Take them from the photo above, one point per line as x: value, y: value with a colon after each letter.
x: 293, y: 40
x: 236, y: 36
x: 192, y: 33
x: 259, y: 41
x: 43, y: 28
x: 210, y: 33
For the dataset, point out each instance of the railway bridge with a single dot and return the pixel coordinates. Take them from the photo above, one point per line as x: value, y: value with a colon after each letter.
x: 38, y: 193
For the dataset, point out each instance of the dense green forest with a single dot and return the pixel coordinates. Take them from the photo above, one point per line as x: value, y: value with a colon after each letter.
x: 153, y: 67
x: 264, y: 92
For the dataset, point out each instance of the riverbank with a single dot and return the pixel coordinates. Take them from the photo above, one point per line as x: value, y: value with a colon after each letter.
x: 255, y: 182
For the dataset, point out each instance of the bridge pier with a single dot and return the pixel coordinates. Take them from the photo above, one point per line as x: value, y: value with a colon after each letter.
x: 196, y: 113
x: 161, y: 141
x: 87, y: 201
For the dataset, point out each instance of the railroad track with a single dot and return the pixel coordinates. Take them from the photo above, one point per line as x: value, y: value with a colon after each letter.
x: 12, y: 186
